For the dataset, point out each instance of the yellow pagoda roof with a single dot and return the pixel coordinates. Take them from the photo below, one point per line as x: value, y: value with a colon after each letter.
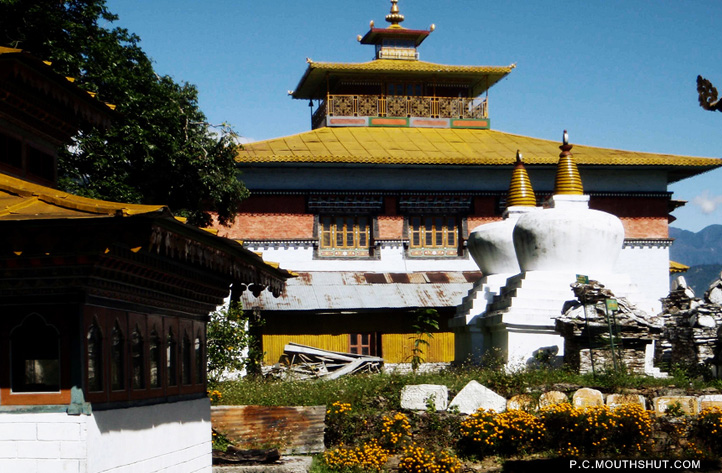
x: 313, y: 83
x: 675, y: 267
x: 23, y: 200
x: 100, y: 110
x: 448, y: 146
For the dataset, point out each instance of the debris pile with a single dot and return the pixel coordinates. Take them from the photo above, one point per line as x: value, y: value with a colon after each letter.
x: 600, y: 334
x: 692, y: 326
x: 304, y: 362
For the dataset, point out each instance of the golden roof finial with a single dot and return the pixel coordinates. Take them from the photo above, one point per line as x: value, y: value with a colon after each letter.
x: 395, y: 17
x: 568, y: 181
x: 521, y: 192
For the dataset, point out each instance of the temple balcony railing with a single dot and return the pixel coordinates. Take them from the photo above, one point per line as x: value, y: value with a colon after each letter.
x: 401, y: 106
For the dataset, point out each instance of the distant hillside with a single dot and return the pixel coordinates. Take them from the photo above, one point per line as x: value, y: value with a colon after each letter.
x: 702, y: 251
x: 692, y: 249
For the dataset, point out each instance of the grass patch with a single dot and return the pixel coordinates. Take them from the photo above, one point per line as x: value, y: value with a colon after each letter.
x: 369, y: 393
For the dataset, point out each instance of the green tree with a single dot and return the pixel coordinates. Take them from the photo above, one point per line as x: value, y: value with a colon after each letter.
x: 160, y: 148
x: 232, y: 343
x: 426, y: 322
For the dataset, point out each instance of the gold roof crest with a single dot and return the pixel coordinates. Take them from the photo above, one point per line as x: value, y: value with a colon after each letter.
x: 568, y: 181
x: 394, y: 17
x: 521, y: 192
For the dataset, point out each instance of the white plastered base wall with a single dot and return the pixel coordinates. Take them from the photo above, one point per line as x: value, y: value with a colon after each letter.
x: 173, y: 437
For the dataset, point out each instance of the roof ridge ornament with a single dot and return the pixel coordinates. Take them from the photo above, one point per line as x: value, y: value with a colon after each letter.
x: 395, y: 17
x: 521, y: 192
x: 568, y: 181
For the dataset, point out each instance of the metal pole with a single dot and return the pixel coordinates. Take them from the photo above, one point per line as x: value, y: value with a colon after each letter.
x: 611, y: 334
x: 589, y: 334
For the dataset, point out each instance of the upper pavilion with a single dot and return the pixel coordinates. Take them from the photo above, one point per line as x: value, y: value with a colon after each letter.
x: 396, y: 88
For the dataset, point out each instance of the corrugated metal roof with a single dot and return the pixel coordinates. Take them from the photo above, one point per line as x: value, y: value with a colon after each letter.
x: 343, y: 291
x: 293, y: 430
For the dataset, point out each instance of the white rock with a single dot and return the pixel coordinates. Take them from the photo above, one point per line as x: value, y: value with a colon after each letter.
x: 706, y: 321
x: 474, y: 396
x: 679, y: 282
x: 414, y: 396
x: 715, y: 296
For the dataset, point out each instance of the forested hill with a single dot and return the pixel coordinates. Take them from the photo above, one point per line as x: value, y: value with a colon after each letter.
x: 702, y: 251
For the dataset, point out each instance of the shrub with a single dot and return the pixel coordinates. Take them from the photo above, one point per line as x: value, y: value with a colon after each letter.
x: 395, y: 431
x: 417, y: 459
x: 368, y: 457
x: 596, y: 430
x: 219, y: 441
x: 341, y: 424
x: 707, y: 430
x: 215, y: 396
x: 509, y: 432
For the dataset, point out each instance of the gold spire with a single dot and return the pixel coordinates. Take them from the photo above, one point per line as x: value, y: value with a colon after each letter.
x: 395, y: 17
x: 567, y: 180
x: 520, y: 190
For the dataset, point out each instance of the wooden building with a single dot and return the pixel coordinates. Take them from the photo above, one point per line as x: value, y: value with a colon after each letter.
x: 104, y: 305
x: 401, y: 163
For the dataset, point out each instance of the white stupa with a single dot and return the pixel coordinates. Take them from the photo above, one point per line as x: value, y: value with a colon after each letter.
x: 492, y: 247
x: 552, y: 247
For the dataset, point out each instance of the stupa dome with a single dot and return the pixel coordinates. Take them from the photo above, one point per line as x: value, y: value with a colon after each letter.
x: 491, y: 244
x: 569, y: 236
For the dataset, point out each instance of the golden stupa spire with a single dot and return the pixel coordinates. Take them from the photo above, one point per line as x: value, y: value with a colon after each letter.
x: 521, y: 192
x: 394, y: 17
x: 567, y: 180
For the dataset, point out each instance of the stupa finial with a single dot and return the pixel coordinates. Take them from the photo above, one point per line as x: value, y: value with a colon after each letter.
x: 521, y: 192
x: 568, y: 181
x: 394, y: 17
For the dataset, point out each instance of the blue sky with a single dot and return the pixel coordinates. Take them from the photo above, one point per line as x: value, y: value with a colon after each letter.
x: 616, y: 74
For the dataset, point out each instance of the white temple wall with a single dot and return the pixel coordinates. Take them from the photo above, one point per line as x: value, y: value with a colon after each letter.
x: 648, y: 267
x: 174, y: 437
x: 43, y: 442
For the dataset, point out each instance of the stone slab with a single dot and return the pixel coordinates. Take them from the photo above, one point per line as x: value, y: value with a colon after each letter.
x: 710, y: 400
x: 522, y: 402
x: 587, y: 397
x: 616, y: 400
x: 689, y: 404
x: 475, y: 396
x: 414, y: 396
x: 552, y: 397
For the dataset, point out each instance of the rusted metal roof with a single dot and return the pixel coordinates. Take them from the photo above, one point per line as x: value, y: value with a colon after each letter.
x: 348, y: 290
x: 293, y: 430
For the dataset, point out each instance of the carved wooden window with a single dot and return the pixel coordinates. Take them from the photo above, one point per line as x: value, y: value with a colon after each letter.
x: 200, y: 366
x: 35, y: 356
x: 344, y: 232
x: 433, y: 232
x: 154, y: 359
x: 95, y: 357
x: 137, y: 357
x: 117, y: 359
x: 186, y: 359
x: 172, y: 358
